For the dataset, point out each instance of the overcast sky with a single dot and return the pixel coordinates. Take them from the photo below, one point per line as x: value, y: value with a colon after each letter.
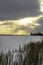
x: 20, y: 9
x: 14, y: 9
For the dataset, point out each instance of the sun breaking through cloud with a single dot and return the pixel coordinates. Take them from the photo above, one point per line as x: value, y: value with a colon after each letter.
x: 20, y: 17
x: 19, y: 27
x: 41, y: 6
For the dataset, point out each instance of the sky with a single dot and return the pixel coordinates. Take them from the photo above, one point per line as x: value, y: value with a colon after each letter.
x: 21, y: 17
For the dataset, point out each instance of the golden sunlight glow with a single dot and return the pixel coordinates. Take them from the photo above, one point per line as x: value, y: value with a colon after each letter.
x: 22, y: 32
x: 41, y: 5
x: 36, y: 24
x: 21, y: 26
x: 15, y: 26
x: 29, y: 20
x: 25, y: 21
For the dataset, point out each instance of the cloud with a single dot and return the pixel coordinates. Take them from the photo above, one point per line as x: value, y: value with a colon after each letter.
x: 21, y: 27
x: 40, y: 21
x: 28, y: 29
x: 18, y: 27
x: 39, y: 28
x: 16, y: 9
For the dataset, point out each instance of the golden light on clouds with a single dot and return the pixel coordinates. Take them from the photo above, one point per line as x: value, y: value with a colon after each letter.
x: 28, y: 20
x: 22, y: 32
x: 19, y: 27
x: 25, y: 21
x: 41, y: 5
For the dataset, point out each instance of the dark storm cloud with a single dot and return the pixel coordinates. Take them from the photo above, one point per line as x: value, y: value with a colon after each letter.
x: 40, y: 21
x: 14, y: 9
x: 39, y: 28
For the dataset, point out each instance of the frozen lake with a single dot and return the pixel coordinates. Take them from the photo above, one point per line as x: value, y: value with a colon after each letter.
x: 13, y: 42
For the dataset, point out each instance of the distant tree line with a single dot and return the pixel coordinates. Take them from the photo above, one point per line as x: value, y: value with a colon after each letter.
x: 38, y: 34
